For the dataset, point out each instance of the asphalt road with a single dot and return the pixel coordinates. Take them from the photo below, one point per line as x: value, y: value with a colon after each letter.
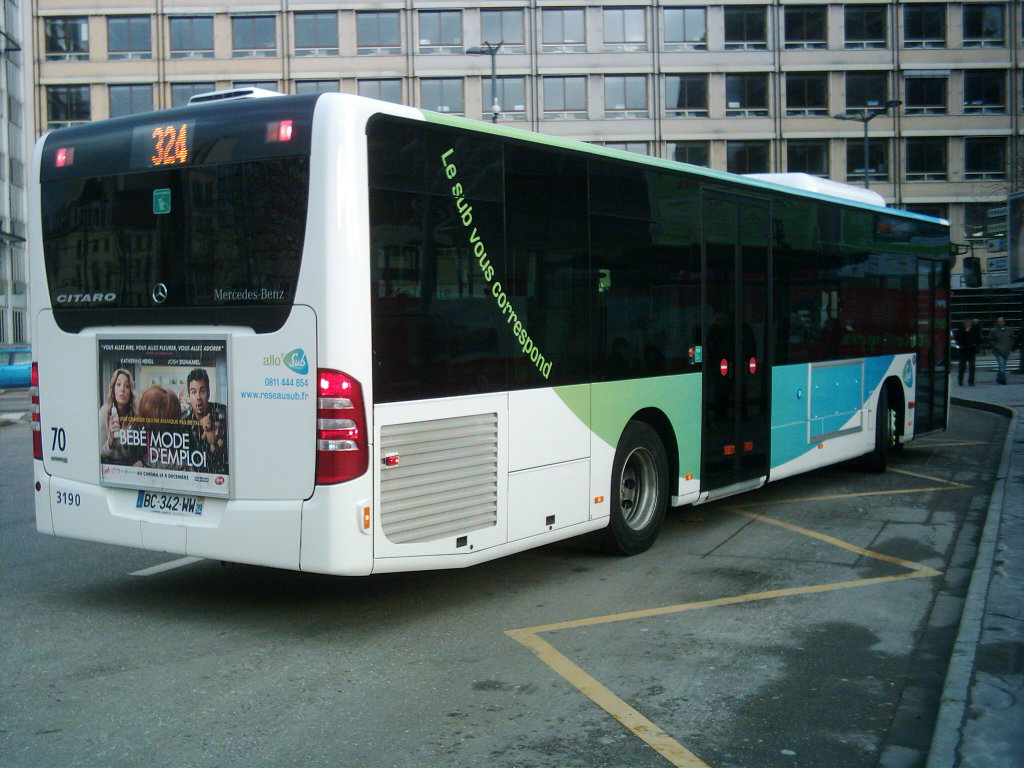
x: 805, y: 624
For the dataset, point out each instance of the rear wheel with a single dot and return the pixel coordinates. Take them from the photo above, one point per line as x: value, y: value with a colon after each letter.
x: 639, y: 492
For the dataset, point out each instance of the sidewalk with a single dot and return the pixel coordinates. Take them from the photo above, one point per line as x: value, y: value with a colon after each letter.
x: 981, y: 719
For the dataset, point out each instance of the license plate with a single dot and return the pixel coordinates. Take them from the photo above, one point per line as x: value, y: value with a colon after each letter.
x: 169, y: 503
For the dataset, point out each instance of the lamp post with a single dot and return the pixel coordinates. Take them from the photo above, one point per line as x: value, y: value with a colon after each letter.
x: 490, y: 49
x: 866, y: 116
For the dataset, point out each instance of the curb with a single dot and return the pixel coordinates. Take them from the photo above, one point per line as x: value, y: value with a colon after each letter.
x: 946, y: 740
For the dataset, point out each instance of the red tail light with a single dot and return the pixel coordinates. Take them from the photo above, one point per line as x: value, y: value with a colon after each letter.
x: 342, y: 450
x: 37, y: 435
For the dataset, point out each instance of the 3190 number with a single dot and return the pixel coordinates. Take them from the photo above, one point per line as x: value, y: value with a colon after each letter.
x: 69, y: 499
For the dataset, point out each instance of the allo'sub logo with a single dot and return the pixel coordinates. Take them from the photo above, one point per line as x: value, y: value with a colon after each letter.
x: 296, y: 361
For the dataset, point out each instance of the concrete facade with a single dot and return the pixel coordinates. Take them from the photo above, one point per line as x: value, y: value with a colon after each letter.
x: 14, y: 142
x: 762, y: 82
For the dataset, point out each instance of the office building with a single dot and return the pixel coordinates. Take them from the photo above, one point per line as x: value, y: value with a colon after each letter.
x: 734, y: 85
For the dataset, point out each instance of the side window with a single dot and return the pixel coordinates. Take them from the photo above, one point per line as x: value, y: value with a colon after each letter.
x: 647, y: 309
x: 550, y: 284
x: 436, y: 223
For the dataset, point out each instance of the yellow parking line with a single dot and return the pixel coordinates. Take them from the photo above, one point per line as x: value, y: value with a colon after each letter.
x: 670, y: 749
x: 922, y: 570
x: 946, y: 483
x: 590, y: 687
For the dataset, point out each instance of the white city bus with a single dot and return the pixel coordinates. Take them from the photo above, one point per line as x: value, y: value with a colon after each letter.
x: 338, y: 335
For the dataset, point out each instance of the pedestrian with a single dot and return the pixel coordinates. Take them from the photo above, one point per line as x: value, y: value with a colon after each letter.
x: 967, y: 341
x: 1001, y: 340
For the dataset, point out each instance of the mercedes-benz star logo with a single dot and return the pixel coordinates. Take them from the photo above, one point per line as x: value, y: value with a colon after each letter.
x: 159, y: 293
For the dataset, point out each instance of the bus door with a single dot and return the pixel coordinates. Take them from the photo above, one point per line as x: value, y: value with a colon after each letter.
x: 932, y: 345
x: 737, y: 265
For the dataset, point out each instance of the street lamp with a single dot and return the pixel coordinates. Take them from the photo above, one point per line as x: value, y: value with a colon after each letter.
x: 490, y: 49
x: 866, y: 116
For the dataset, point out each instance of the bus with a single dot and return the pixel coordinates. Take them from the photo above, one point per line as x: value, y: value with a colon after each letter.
x: 337, y: 335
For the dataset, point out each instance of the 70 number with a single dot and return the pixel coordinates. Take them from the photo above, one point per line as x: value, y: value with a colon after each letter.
x: 60, y: 439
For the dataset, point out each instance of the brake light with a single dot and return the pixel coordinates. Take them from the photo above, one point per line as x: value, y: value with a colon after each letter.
x: 37, y: 435
x: 342, y: 451
x: 279, y: 131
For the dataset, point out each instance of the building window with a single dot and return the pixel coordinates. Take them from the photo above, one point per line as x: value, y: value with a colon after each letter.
x: 67, y: 105
x: 984, y: 158
x: 442, y: 94
x: 924, y: 25
x: 984, y: 25
x: 878, y: 160
x: 686, y: 95
x: 378, y: 33
x: 191, y: 37
x: 389, y: 89
x: 866, y: 90
x: 637, y: 147
x: 317, y: 86
x: 807, y: 156
x: 67, y: 38
x: 935, y: 210
x: 182, y: 92
x: 504, y: 26
x: 747, y: 156
x: 565, y: 98
x: 806, y: 94
x: 984, y: 92
x: 926, y: 159
x: 564, y: 30
x: 745, y: 28
x: 20, y: 326
x: 130, y: 99
x: 625, y: 29
x: 692, y: 152
x: 316, y: 34
x: 866, y: 26
x: 746, y: 95
x: 686, y: 29
x: 625, y: 96
x: 511, y: 97
x: 441, y: 32
x: 924, y: 92
x: 266, y: 85
x: 128, y: 37
x: 253, y: 36
x: 806, y: 26
x: 976, y: 220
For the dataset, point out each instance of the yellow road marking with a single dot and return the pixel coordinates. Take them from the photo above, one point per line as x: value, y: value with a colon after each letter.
x: 652, y: 735
x: 590, y: 687
x: 923, y: 570
x: 945, y: 483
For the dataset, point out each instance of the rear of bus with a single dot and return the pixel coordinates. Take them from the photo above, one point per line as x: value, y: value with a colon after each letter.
x: 185, y: 266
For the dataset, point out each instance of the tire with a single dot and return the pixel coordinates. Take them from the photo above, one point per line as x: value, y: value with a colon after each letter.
x: 878, y: 459
x: 639, y: 491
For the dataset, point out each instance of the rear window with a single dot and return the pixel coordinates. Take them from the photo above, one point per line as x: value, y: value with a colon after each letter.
x: 209, y: 228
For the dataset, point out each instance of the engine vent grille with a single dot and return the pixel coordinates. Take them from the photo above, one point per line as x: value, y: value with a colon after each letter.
x: 446, y: 483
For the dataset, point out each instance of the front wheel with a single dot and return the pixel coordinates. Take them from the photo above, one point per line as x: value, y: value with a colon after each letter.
x: 639, y: 492
x: 885, y: 435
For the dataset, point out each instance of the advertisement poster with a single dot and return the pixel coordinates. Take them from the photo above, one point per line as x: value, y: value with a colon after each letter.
x: 163, y: 415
